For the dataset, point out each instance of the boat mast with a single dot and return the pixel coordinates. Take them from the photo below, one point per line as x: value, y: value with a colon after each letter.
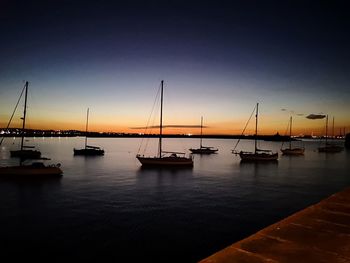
x: 161, y: 120
x: 333, y: 129
x: 290, y: 133
x: 24, y: 113
x: 326, y: 128
x: 256, y: 126
x: 201, y: 131
x: 87, y: 124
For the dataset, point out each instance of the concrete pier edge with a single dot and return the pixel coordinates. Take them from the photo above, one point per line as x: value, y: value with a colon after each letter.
x: 318, y: 233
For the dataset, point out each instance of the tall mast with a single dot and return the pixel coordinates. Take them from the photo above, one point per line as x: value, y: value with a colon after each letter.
x: 290, y: 133
x: 256, y: 125
x: 87, y: 125
x: 333, y: 129
x: 201, y: 131
x: 24, y: 113
x: 161, y: 120
x: 326, y: 129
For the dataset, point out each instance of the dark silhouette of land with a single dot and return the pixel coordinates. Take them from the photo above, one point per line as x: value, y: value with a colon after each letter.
x: 15, y: 132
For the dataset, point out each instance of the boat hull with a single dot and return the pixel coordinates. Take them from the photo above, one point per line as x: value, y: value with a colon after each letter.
x: 293, y: 151
x: 89, y: 152
x: 26, y: 154
x: 30, y: 171
x: 253, y: 157
x: 203, y: 151
x: 166, y: 161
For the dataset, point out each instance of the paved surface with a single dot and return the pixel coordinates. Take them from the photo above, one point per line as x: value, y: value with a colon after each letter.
x: 319, y: 233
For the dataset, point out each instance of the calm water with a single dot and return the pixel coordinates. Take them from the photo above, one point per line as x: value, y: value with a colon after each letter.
x: 107, y: 208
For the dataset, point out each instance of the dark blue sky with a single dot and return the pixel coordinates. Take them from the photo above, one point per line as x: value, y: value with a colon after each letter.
x: 234, y: 51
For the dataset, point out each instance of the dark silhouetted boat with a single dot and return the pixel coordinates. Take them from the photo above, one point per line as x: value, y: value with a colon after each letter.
x: 89, y: 149
x: 203, y: 149
x: 164, y: 158
x: 330, y: 147
x: 30, y: 171
x: 258, y: 154
x: 25, y: 151
x: 35, y: 169
x: 290, y: 150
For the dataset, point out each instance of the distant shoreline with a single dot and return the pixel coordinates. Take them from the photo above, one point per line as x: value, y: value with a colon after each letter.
x: 75, y: 133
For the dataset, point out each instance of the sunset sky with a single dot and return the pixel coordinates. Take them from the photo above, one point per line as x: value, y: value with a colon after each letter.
x: 217, y: 58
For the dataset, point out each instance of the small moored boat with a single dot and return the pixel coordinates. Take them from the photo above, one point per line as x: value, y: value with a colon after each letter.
x: 290, y: 150
x: 88, y: 150
x: 330, y: 147
x: 203, y: 149
x: 25, y: 152
x: 258, y: 154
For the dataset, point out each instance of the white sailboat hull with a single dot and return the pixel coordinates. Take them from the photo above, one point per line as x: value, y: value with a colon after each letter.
x: 88, y: 151
x: 204, y: 150
x: 166, y: 161
x: 293, y: 151
x: 248, y: 156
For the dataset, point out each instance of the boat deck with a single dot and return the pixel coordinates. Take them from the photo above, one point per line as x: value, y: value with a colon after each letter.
x: 319, y: 233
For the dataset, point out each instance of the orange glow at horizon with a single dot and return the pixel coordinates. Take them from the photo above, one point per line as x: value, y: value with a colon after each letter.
x: 302, y: 127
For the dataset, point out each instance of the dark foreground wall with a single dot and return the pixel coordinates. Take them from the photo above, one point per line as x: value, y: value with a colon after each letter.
x: 347, y: 141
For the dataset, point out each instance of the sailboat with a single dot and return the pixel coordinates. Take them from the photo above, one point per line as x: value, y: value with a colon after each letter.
x: 258, y: 154
x: 164, y: 158
x: 25, y: 152
x: 290, y: 150
x: 88, y: 149
x: 33, y: 170
x: 203, y: 149
x: 330, y: 147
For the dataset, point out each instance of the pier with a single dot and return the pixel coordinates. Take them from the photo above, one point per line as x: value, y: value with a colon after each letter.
x: 318, y: 233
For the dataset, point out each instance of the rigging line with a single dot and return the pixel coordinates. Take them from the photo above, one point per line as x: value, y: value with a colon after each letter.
x: 285, y: 133
x: 239, y: 139
x: 148, y: 122
x: 13, y: 113
x: 154, y: 103
x: 149, y: 133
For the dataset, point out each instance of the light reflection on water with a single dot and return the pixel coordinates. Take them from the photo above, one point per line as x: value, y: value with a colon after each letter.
x: 103, y: 207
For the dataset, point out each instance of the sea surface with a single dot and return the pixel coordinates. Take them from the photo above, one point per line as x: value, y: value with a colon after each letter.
x: 109, y: 209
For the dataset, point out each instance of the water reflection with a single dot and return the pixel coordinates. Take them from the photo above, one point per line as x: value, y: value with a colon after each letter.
x: 261, y: 165
x: 163, y: 176
x: 258, y: 168
x: 35, y: 181
x: 164, y: 171
x: 114, y: 197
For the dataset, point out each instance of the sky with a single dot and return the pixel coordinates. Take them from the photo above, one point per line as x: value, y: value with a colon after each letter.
x: 217, y: 60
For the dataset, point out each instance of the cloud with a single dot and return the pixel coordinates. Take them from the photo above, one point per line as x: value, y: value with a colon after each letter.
x: 315, y: 116
x: 283, y: 109
x: 300, y: 114
x: 169, y: 126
